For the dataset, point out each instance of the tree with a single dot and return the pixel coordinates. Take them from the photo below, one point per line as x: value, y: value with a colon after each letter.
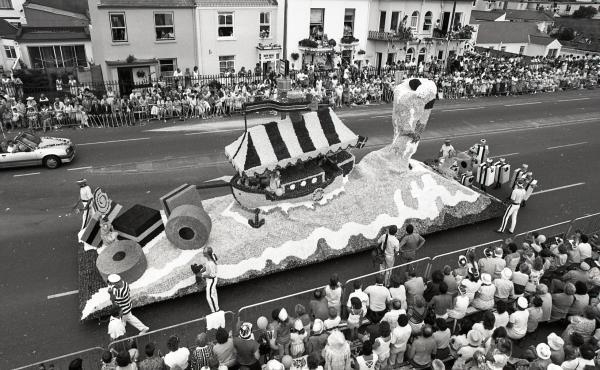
x: 565, y: 34
x: 585, y: 12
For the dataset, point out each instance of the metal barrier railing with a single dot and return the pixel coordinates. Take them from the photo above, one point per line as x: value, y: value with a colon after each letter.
x: 451, y: 258
x: 557, y: 229
x: 589, y: 225
x: 91, y: 358
x: 186, y: 332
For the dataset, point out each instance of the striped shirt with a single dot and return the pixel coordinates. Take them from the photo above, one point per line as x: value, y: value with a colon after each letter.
x: 211, y: 270
x: 122, y: 297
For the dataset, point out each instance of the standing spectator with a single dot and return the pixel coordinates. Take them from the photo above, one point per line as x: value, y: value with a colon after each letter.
x: 367, y: 359
x: 301, y: 315
x: 499, y: 262
x: 108, y: 362
x: 585, y: 249
x: 450, y: 281
x: 561, y: 302
x: 423, y: 349
x: 381, y: 345
x: 391, y: 317
x: 247, y: 348
x: 333, y: 293
x: 400, y: 336
x: 119, y: 294
x: 442, y: 336
x: 178, y: 356
x: 355, y: 316
x: 433, y: 286
x: 209, y: 273
x: 317, y: 339
x: 557, y: 352
x: 334, y: 319
x: 379, y: 297
x: 517, y: 322
x: 124, y: 362
x: 501, y: 316
x: 442, y: 302
x: 398, y: 292
x: 337, y: 352
x: 358, y: 293
x: 513, y: 258
x: 318, y: 306
x: 520, y: 279
x: 297, y: 338
x: 535, y: 314
x: 415, y: 286
x: 153, y: 361
x: 416, y: 314
x: 282, y: 332
x: 223, y: 350
x: 200, y: 354
x: 410, y: 244
x: 484, y: 298
x: 505, y: 288
x: 391, y: 246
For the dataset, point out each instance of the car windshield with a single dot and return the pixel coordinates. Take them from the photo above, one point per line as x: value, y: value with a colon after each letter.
x: 28, y: 139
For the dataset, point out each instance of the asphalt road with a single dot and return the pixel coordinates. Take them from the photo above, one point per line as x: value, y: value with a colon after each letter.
x: 558, y: 135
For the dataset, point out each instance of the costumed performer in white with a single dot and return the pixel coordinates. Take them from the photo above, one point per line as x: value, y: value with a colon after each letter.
x: 85, y: 199
x: 208, y: 273
x: 516, y: 198
x: 447, y: 150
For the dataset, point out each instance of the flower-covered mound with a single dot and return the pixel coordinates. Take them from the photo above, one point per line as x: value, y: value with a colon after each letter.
x: 378, y: 193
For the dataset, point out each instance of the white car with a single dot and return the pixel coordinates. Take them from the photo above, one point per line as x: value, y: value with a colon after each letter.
x: 28, y: 149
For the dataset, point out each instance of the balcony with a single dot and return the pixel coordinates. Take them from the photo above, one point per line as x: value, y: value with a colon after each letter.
x: 401, y: 35
x: 269, y: 46
x: 316, y: 46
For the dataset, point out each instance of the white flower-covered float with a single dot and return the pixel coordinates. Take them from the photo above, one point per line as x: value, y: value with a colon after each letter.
x: 354, y: 202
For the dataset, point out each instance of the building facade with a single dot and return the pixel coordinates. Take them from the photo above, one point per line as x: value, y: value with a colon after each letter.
x: 236, y: 34
x: 12, y: 11
x: 517, y: 38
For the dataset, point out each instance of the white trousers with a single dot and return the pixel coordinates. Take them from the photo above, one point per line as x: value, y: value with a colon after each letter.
x: 511, y: 212
x: 211, y: 294
x: 134, y: 321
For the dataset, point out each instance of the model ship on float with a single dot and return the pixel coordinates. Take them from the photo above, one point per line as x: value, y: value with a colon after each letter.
x: 301, y: 158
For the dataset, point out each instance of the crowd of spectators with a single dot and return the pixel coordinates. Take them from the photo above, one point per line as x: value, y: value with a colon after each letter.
x: 477, y: 314
x: 182, y: 97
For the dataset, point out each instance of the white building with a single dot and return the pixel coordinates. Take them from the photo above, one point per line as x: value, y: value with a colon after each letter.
x: 517, y: 38
x: 12, y: 11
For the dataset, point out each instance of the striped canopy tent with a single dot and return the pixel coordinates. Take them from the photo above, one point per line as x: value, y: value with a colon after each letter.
x: 298, y: 138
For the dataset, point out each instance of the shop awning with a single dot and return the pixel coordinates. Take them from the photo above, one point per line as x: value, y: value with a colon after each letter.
x: 298, y: 138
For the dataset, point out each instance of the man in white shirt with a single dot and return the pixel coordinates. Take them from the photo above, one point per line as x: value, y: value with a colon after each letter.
x: 379, y: 297
x: 358, y: 293
x: 585, y: 249
x: 400, y: 336
x: 116, y: 326
x: 177, y: 356
x: 517, y: 321
x: 391, y: 246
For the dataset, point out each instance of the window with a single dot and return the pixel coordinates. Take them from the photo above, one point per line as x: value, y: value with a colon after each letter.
x: 502, y: 48
x: 382, y: 15
x: 395, y: 20
x: 225, y: 25
x: 414, y: 20
x: 265, y: 25
x: 6, y: 4
x: 521, y: 49
x: 440, y: 54
x: 552, y: 53
x: 167, y: 67
x: 427, y: 22
x: 409, y: 54
x: 57, y: 56
x: 226, y: 63
x: 118, y: 27
x: 349, y: 22
x: 317, y: 18
x: 164, y: 26
x: 457, y: 18
x: 10, y: 52
x: 568, y: 9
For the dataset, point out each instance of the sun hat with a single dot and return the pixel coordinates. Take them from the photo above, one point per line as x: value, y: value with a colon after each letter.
x: 274, y: 365
x: 555, y: 342
x: 474, y: 337
x: 287, y: 361
x: 283, y: 315
x: 298, y: 325
x: 462, y: 261
x: 317, y: 327
x: 336, y: 339
x: 486, y: 279
x: 541, y: 239
x: 553, y: 367
x: 498, y: 252
x: 262, y: 322
x: 488, y: 252
x: 522, y: 302
x: 114, y: 278
x: 81, y: 181
x: 543, y: 351
x: 473, y: 271
x: 246, y: 330
x: 584, y: 266
x: 506, y: 273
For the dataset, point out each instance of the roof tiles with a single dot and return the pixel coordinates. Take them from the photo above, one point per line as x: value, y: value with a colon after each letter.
x: 146, y: 3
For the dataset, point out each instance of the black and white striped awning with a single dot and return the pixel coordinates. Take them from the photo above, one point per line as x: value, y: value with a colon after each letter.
x: 297, y: 138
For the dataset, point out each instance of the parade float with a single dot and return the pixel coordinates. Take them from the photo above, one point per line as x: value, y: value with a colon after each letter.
x: 297, y: 198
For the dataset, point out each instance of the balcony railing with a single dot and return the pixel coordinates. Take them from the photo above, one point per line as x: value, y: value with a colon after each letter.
x: 390, y: 36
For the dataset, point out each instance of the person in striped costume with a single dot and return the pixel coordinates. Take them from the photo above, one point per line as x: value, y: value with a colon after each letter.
x: 516, y: 198
x: 119, y: 295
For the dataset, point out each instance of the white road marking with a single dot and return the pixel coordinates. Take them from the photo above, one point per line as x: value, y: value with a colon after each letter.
x: 58, y: 295
x: 529, y: 103
x: 504, y: 155
x: 566, y: 145
x: 457, y: 109
x: 27, y: 174
x: 222, y: 178
x: 561, y: 100
x: 558, y: 188
x: 210, y: 132
x: 114, y: 141
x: 383, y: 116
x: 79, y: 168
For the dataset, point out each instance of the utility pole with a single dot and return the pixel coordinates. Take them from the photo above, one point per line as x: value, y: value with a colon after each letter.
x: 449, y: 33
x: 284, y: 82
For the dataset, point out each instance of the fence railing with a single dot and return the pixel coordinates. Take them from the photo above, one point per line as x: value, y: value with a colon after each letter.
x: 187, y: 331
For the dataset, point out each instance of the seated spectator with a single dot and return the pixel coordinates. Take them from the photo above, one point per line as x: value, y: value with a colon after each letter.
x: 586, y: 358
x: 337, y: 353
x: 573, y: 255
x: 433, y: 286
x: 484, y: 298
x: 571, y: 357
x: 441, y: 302
x: 561, y: 302
x: 513, y: 258
x: 108, y: 362
x: 582, y: 299
x: 542, y: 360
x: 542, y: 291
x: 537, y: 271
x: 416, y: 314
x: 501, y: 316
x: 200, y: 354
x: 520, y: 279
x: 442, y: 336
x: 333, y: 321
x: 312, y: 362
x: 450, y: 281
x: 398, y: 292
x: 585, y: 249
x: 223, y: 350
x: 467, y: 352
x: 557, y: 352
x: 400, y: 336
x: 499, y: 335
x: 517, y: 322
x: 423, y: 349
x: 381, y: 345
x: 585, y: 325
x: 486, y: 326
x: 472, y: 283
x: 535, y: 314
x: 391, y: 317
x: 379, y: 297
x: 499, y: 262
x: 177, y: 356
x: 505, y: 288
x: 246, y: 348
x: 367, y: 359
x: 461, y: 303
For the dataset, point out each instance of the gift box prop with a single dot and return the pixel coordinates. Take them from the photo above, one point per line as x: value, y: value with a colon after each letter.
x: 125, y: 258
x: 139, y: 223
x: 519, y: 173
x: 90, y: 235
x: 530, y: 185
x: 502, y: 175
x: 465, y: 163
x: 467, y: 178
x: 486, y: 174
x: 182, y: 195
x: 188, y: 227
x: 480, y: 151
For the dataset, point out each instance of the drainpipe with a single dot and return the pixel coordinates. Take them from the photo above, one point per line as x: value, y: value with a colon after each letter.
x: 196, y: 35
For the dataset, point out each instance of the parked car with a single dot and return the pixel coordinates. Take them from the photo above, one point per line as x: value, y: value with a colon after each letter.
x: 29, y: 149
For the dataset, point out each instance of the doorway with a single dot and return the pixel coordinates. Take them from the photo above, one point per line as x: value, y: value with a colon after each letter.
x: 125, y: 75
x: 378, y: 58
x: 445, y: 22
